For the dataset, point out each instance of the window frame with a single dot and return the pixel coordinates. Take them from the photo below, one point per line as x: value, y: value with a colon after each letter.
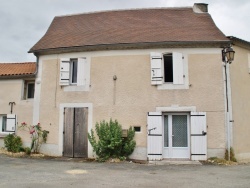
x: 73, y: 74
x: 171, y: 85
x: 1, y: 124
x: 164, y: 68
x: 26, y: 89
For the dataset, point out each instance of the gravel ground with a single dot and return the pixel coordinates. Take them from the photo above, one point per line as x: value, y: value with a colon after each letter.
x: 29, y: 172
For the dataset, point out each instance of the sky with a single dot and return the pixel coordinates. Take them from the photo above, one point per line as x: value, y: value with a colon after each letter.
x: 24, y: 22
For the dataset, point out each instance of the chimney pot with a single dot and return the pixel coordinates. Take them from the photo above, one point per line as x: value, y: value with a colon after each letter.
x: 200, y: 8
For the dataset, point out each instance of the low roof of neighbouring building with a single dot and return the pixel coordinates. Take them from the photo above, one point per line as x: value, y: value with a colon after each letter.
x: 17, y: 69
x: 239, y: 42
x: 130, y: 27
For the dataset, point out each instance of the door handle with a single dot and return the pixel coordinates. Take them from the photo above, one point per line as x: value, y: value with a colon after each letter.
x: 172, y: 135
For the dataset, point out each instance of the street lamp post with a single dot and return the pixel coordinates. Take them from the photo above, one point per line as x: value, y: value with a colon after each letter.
x: 227, y: 58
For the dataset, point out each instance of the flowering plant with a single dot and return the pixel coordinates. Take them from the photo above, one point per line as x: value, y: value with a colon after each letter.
x: 38, y: 136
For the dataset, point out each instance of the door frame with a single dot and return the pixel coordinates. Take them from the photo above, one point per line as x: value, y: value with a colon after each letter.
x: 61, y: 123
x: 75, y: 134
x: 171, y: 149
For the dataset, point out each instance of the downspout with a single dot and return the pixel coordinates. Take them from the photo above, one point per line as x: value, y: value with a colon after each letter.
x: 230, y: 112
x: 37, y: 94
x: 37, y: 63
x: 227, y: 110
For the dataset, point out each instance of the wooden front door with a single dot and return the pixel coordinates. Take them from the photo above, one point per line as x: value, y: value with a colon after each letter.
x: 75, y: 134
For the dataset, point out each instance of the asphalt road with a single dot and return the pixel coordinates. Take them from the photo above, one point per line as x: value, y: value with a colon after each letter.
x: 36, y: 173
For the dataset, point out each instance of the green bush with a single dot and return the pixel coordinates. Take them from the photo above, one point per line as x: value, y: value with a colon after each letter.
x: 110, y: 143
x: 27, y: 150
x: 13, y: 143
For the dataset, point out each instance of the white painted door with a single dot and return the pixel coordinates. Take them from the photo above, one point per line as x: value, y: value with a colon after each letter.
x: 198, y: 136
x: 154, y: 142
x: 176, y: 136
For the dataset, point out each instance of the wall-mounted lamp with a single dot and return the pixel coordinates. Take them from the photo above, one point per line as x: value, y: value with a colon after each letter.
x: 228, y: 55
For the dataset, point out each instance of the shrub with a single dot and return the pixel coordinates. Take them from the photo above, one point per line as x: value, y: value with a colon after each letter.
x: 27, y: 150
x: 128, y: 144
x: 13, y: 143
x: 110, y: 143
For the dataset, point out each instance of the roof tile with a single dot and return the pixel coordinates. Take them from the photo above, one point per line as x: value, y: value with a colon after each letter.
x: 128, y: 27
x: 15, y: 69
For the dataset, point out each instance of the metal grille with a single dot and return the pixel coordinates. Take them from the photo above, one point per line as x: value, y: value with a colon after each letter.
x: 165, y: 131
x: 179, y: 130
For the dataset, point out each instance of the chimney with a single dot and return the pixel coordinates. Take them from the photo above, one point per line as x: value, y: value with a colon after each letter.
x: 200, y: 8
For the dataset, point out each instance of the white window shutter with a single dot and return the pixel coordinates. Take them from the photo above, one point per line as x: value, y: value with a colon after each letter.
x: 198, y: 136
x: 81, y: 75
x: 64, y: 71
x: 11, y: 123
x: 155, y: 139
x: 178, y: 71
x: 249, y: 63
x: 156, y: 68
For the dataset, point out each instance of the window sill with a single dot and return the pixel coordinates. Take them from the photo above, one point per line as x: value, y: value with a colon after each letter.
x: 28, y: 99
x: 3, y: 135
x: 76, y: 88
x: 167, y: 86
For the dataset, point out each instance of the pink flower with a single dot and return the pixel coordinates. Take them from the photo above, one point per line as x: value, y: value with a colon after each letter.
x: 32, y: 131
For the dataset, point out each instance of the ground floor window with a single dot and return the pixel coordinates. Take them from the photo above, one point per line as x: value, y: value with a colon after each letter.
x: 3, y: 122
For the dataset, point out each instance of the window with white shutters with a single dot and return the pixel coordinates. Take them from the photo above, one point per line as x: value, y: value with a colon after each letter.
x: 8, y: 123
x: 74, y: 72
x: 167, y: 69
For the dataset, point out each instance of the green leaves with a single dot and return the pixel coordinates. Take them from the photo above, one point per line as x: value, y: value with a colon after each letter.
x: 110, y: 143
x: 38, y: 136
x: 13, y: 143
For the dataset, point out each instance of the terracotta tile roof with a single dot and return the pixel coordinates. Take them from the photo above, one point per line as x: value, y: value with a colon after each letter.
x: 129, y: 27
x: 17, y: 69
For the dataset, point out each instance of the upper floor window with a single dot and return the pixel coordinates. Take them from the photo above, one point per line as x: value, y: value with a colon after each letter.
x: 74, y: 72
x: 168, y: 70
x: 29, y: 89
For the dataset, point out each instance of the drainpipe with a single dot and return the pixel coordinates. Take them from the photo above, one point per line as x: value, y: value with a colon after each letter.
x: 227, y: 110
x: 37, y: 60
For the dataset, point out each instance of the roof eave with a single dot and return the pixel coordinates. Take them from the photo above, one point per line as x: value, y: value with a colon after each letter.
x: 142, y: 45
x: 25, y: 76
